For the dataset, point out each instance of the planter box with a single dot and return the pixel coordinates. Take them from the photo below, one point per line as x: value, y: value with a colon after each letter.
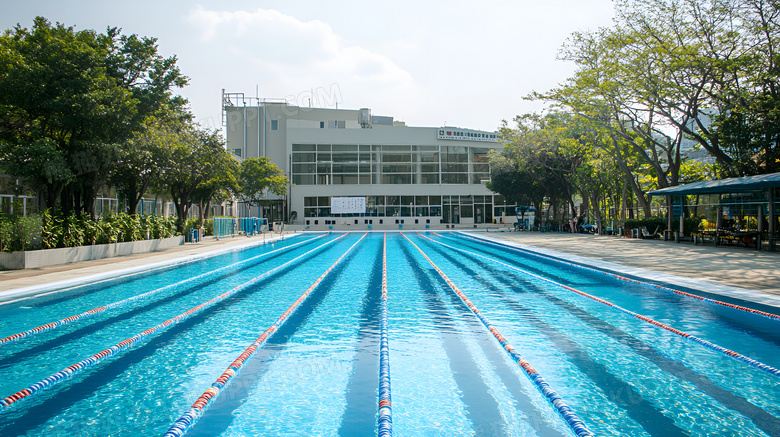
x: 49, y: 257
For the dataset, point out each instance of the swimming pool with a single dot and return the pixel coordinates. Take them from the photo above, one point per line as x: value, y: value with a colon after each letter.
x: 626, y: 358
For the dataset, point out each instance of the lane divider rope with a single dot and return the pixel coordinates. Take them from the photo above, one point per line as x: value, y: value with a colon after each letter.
x: 385, y: 420
x: 623, y: 278
x: 569, y: 416
x: 728, y: 352
x: 87, y: 314
x: 87, y: 363
x: 187, y: 420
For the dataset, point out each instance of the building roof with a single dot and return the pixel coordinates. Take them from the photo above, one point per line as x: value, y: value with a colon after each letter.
x: 721, y: 186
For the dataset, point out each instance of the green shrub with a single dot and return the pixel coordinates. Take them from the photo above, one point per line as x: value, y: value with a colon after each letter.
x: 20, y: 233
x: 49, y: 231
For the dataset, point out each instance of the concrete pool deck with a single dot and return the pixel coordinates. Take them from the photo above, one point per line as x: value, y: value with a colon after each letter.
x: 731, y: 271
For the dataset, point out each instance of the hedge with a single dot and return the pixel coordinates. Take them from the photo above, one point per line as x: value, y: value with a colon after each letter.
x: 45, y: 231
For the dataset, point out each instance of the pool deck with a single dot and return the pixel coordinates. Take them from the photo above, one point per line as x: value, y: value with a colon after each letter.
x: 730, y: 271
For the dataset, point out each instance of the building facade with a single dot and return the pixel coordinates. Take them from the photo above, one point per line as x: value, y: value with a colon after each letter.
x: 349, y: 167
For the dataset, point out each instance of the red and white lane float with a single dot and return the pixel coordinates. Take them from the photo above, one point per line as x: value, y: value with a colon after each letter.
x: 569, y: 416
x: 385, y: 420
x: 757, y: 364
x: 647, y: 284
x: 191, y: 416
x: 87, y: 363
x: 87, y: 314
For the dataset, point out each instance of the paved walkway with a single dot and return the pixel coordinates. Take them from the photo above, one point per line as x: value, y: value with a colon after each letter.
x: 708, y: 268
x: 702, y: 265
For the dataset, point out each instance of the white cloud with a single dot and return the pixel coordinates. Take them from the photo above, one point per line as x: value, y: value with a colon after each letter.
x: 287, y: 55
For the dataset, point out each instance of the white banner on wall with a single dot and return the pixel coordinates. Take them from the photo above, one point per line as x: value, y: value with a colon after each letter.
x: 347, y: 205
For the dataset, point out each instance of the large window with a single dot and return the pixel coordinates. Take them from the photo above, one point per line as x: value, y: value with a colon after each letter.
x: 380, y: 206
x: 352, y: 164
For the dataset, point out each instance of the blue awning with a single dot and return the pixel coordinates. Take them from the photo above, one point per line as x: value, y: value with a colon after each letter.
x: 722, y: 186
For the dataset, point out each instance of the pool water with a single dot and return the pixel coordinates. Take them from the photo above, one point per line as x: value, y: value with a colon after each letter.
x: 318, y: 374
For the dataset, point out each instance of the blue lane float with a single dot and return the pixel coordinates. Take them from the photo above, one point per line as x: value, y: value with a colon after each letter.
x: 720, y: 349
x: 623, y: 278
x: 187, y: 420
x: 385, y: 411
x: 113, y: 350
x: 130, y: 300
x: 564, y: 410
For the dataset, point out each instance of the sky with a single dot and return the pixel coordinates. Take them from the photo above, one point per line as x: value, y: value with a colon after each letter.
x: 434, y: 63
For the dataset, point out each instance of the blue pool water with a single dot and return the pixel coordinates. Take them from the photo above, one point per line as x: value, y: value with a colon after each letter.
x: 319, y: 373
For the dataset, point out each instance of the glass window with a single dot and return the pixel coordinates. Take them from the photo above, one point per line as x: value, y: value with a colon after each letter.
x: 323, y: 201
x: 407, y: 200
x: 345, y: 179
x: 454, y: 178
x: 364, y: 179
x: 429, y: 168
x: 303, y: 157
x: 396, y: 157
x: 482, y: 168
x: 466, y: 211
x: 396, y: 178
x: 429, y: 157
x: 436, y: 211
x: 454, y: 154
x: 323, y: 156
x: 303, y: 147
x: 466, y: 200
x: 480, y: 154
x: 455, y: 168
x: 303, y: 168
x: 323, y: 168
x: 345, y: 157
x: 309, y: 201
x: 421, y: 200
x: 429, y: 178
x: 365, y: 148
x: 274, y: 124
x: 345, y: 147
x: 323, y: 147
x: 480, y: 178
x: 396, y: 168
x: 303, y: 179
x: 396, y: 148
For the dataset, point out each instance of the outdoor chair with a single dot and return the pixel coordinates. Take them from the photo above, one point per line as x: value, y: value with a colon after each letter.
x: 648, y: 236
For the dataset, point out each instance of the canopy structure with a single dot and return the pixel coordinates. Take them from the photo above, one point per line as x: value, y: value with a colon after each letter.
x: 721, y: 186
x: 726, y: 188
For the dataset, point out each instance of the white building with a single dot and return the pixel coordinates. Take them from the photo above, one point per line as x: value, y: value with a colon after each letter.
x: 352, y: 168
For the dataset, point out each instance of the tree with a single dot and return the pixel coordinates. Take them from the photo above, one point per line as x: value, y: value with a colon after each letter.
x: 69, y: 100
x: 221, y: 184
x: 194, y: 159
x: 257, y: 177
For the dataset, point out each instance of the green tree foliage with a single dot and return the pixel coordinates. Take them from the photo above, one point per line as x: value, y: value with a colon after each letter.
x: 70, y: 100
x: 257, y: 177
x: 194, y: 159
x: 669, y: 70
